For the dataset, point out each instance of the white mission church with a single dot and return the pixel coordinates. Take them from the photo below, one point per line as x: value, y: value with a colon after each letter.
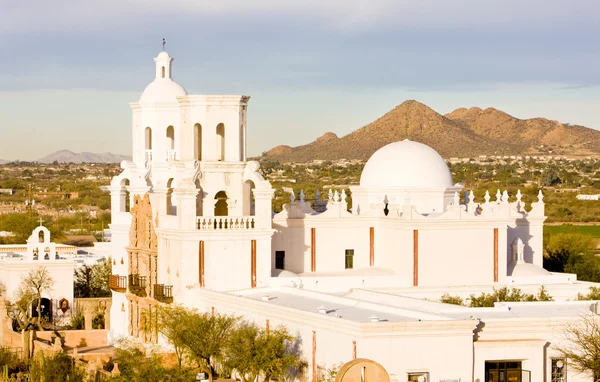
x: 192, y: 224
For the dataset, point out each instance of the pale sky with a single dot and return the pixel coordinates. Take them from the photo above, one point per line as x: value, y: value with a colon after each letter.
x: 69, y: 68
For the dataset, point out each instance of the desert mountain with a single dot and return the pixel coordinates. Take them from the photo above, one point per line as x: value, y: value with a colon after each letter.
x: 66, y: 156
x: 462, y: 133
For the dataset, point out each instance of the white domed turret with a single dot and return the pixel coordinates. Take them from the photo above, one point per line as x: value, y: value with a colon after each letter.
x: 163, y: 88
x: 406, y: 164
x: 405, y: 173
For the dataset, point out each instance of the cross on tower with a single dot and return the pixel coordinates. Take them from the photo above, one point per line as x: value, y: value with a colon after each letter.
x: 164, y: 43
x: 41, y: 221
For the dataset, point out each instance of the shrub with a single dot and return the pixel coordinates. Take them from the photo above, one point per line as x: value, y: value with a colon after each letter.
x: 455, y: 300
x: 505, y: 294
x: 594, y: 294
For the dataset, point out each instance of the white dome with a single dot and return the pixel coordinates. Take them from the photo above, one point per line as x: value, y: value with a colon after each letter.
x: 406, y: 164
x: 527, y: 270
x: 161, y: 90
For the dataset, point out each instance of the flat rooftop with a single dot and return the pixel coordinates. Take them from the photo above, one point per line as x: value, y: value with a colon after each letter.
x: 364, y: 305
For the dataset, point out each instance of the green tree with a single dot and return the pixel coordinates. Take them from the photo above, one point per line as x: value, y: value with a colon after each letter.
x: 92, y: 281
x: 173, y: 322
x: 582, y: 347
x: 59, y: 367
x: 255, y: 351
x: 563, y: 248
x: 206, y: 339
x: 36, y: 282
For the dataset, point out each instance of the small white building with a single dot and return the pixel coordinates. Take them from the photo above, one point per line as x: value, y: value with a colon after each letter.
x: 40, y: 251
x: 588, y: 197
x: 192, y: 224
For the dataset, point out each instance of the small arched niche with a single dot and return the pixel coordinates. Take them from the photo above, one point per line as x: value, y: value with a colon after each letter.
x: 41, y: 236
x: 221, y: 204
x: 198, y: 141
x: 163, y: 72
x: 171, y: 138
x: 220, y: 142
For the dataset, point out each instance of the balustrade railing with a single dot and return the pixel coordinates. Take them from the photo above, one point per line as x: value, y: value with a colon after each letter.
x: 163, y: 293
x: 171, y: 154
x: 137, y: 285
x: 216, y: 223
x: 117, y: 283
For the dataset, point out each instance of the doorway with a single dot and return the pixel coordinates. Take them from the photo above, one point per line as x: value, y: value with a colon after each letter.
x: 506, y: 371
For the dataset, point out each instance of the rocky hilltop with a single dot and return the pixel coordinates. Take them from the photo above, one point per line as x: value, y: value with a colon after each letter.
x: 66, y: 156
x: 462, y: 133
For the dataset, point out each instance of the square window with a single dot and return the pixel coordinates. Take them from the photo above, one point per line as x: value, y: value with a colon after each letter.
x: 349, y: 258
x: 279, y: 259
x: 418, y: 377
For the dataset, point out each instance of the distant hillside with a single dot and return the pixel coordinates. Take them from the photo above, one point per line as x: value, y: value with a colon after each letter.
x: 66, y: 156
x: 2, y: 161
x: 462, y: 133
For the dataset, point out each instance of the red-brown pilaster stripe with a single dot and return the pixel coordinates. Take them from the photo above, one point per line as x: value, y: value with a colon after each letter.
x: 253, y: 264
x: 201, y: 264
x: 372, y: 246
x: 313, y: 249
x: 495, y: 255
x: 415, y: 258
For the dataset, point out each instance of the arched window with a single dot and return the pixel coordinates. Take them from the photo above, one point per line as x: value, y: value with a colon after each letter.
x: 199, y: 198
x: 148, y: 137
x: 171, y: 138
x: 171, y: 209
x: 248, y: 198
x: 221, y: 204
x: 41, y: 236
x: 221, y: 142
x: 125, y: 197
x: 163, y: 72
x: 198, y: 141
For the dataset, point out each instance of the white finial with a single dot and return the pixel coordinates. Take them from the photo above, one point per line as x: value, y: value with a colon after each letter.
x: 336, y: 196
x: 330, y: 195
x: 471, y: 196
x: 292, y: 197
x: 456, y: 200
x: 343, y: 197
x: 318, y: 195
x: 301, y: 196
x: 505, y: 197
x: 519, y: 196
x: 487, y: 197
x: 540, y: 197
x: 498, y: 196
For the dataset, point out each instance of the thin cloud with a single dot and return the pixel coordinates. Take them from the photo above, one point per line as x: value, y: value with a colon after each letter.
x: 29, y: 15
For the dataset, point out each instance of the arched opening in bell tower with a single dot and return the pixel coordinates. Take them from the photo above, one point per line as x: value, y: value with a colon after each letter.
x: 148, y: 138
x: 124, y: 197
x: 198, y: 141
x: 163, y: 72
x: 171, y: 209
x: 221, y: 204
x: 221, y: 142
x: 199, y: 198
x: 248, y: 198
x: 171, y: 142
